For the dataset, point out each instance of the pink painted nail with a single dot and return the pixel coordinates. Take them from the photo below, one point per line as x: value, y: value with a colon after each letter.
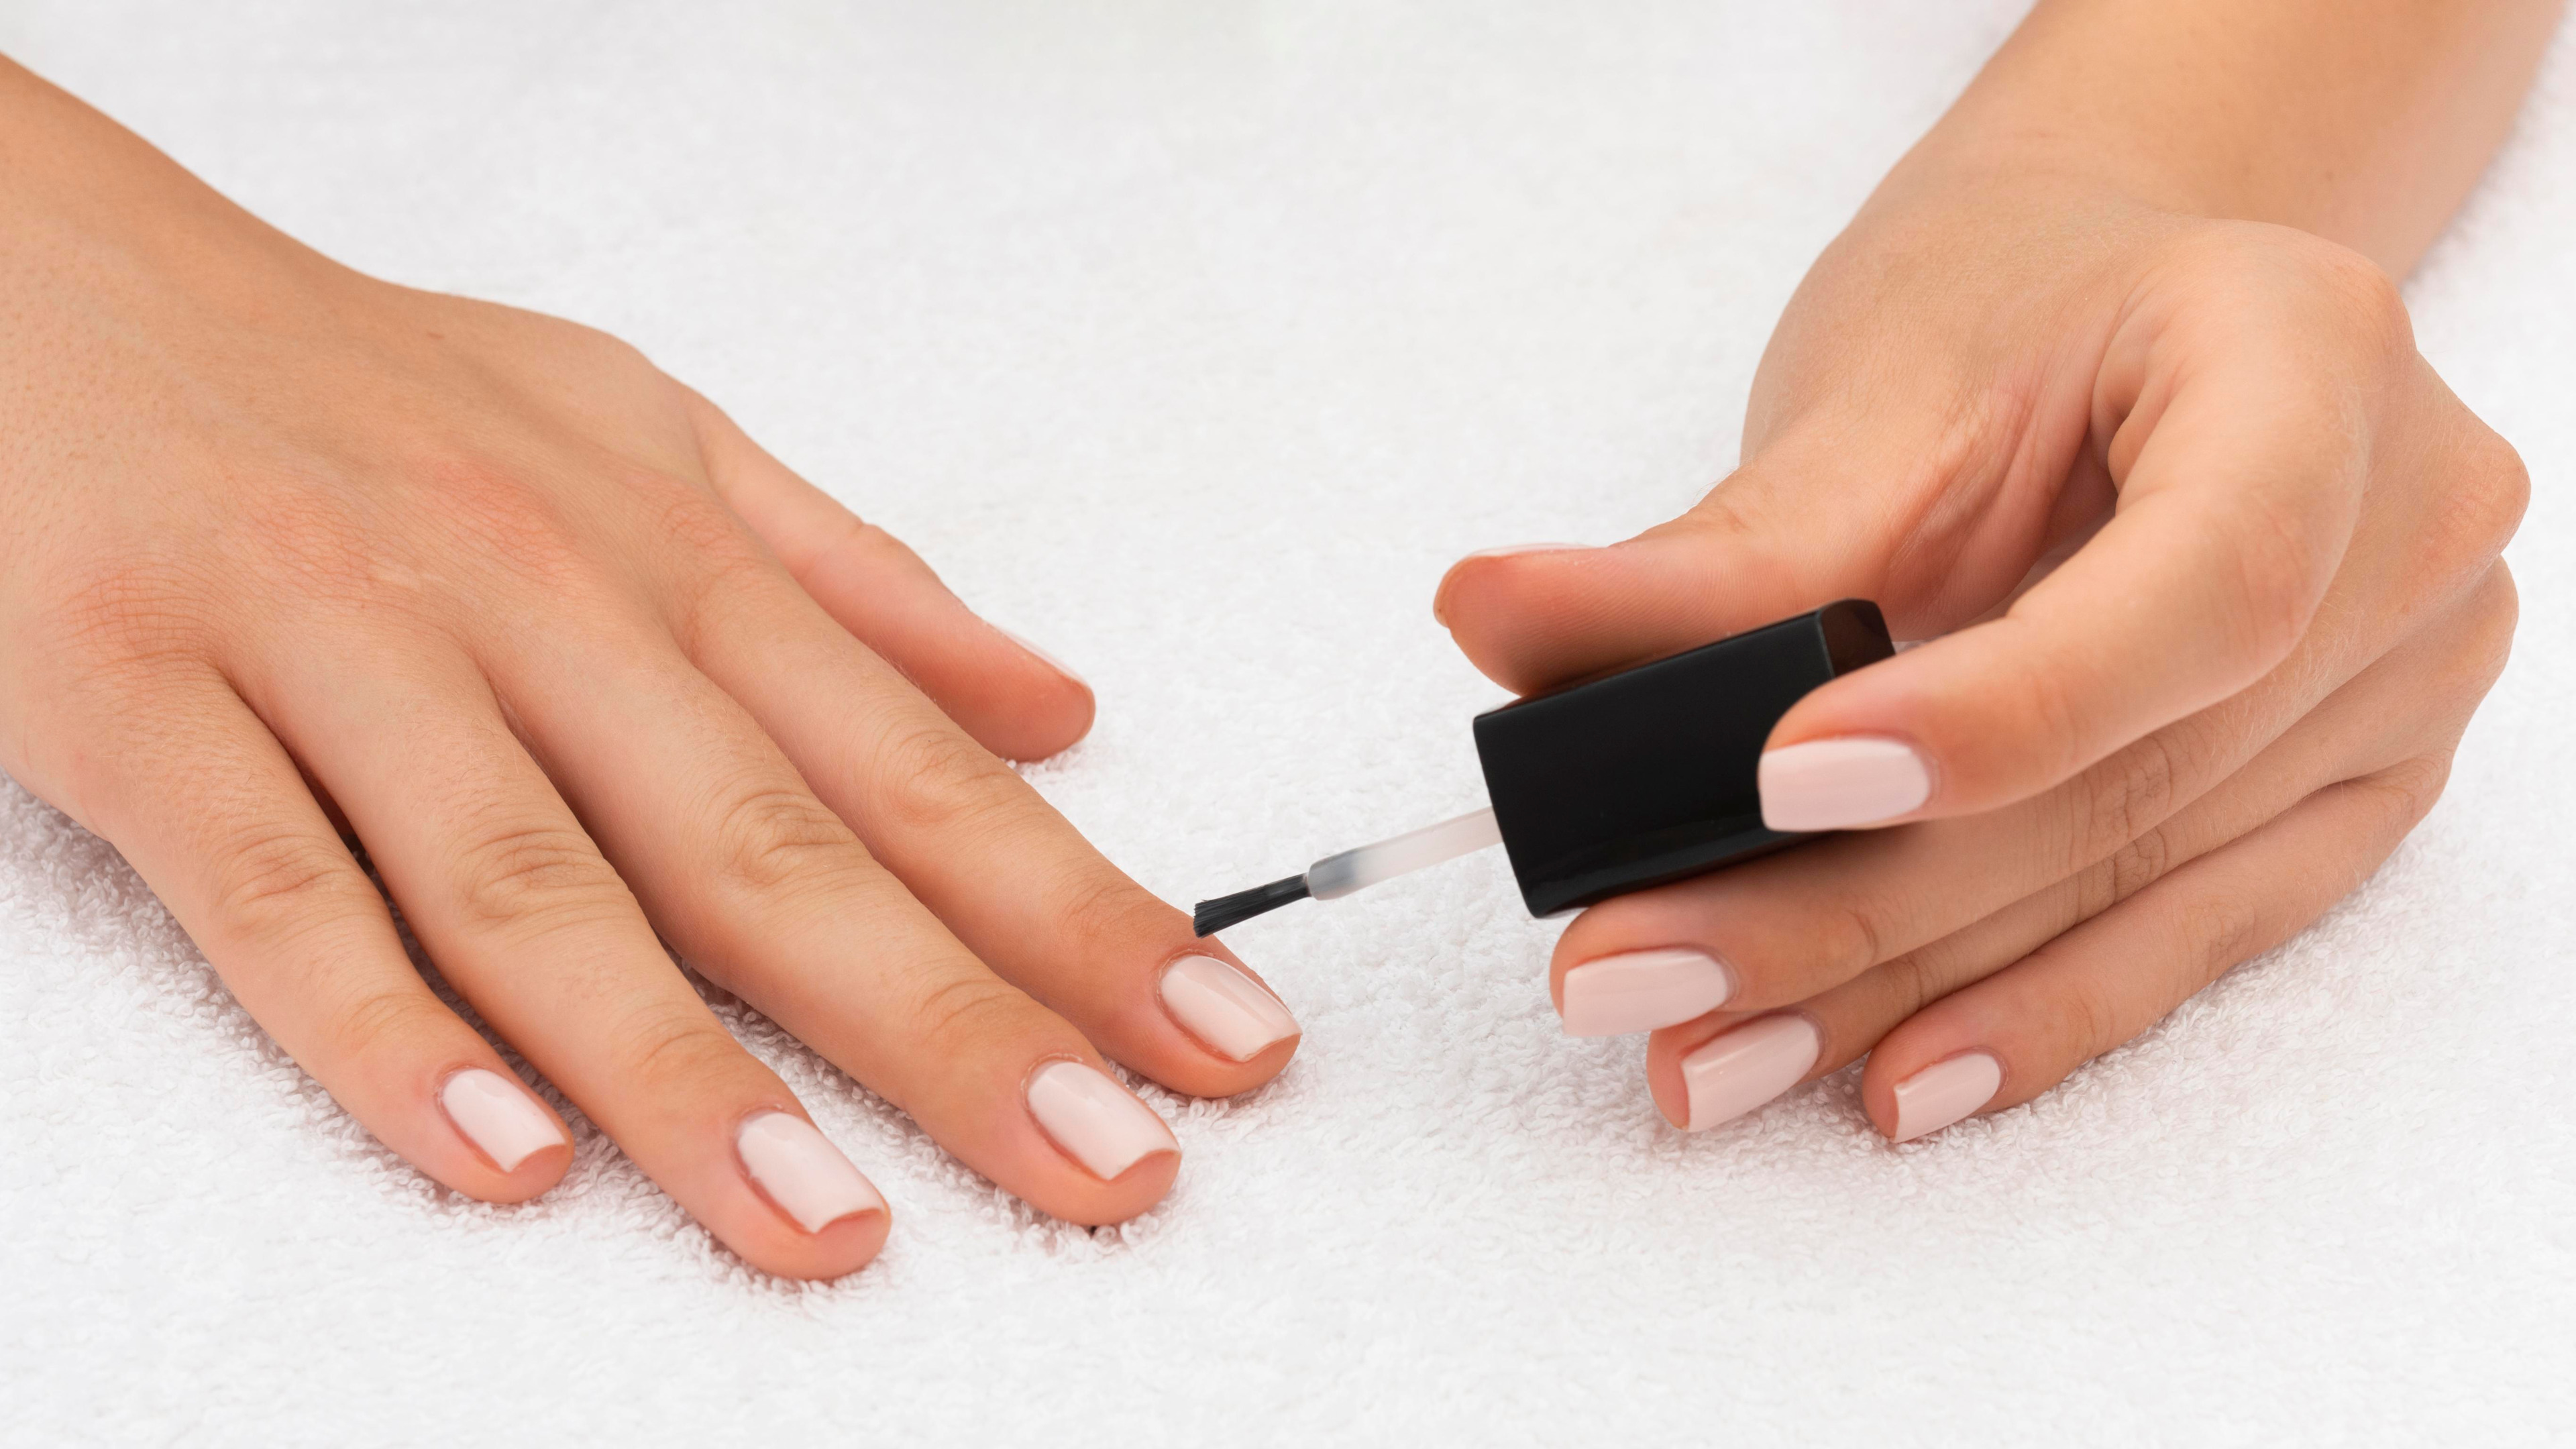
x: 1840, y: 783
x: 1512, y: 548
x: 1945, y: 1092
x: 1642, y: 990
x: 1224, y: 1008
x: 498, y: 1116
x: 1748, y: 1066
x: 1049, y: 660
x: 802, y: 1173
x: 1094, y: 1120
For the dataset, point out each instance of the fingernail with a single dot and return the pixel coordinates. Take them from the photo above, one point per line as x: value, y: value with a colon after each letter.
x: 1746, y: 1067
x: 1049, y: 660
x: 1945, y: 1092
x: 802, y: 1173
x: 1224, y: 1008
x: 1513, y: 548
x: 1642, y: 990
x: 1094, y: 1120
x: 1836, y: 784
x: 498, y: 1116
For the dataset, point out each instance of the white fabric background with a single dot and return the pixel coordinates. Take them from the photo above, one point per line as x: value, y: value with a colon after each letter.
x: 1193, y: 339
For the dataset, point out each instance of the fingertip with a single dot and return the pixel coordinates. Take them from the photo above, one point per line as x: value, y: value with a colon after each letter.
x: 847, y: 1244
x: 534, y: 1176
x: 1513, y: 611
x: 1017, y: 700
x: 1144, y: 1183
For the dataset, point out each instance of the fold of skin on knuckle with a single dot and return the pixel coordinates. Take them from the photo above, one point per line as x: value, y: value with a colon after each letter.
x: 771, y: 842
x: 388, y: 1031
x: 704, y: 565
x: 683, y: 1059
x: 931, y: 776
x: 523, y: 876
x: 271, y: 881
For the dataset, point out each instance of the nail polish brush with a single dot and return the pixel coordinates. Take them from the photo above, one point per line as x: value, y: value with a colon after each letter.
x: 1622, y: 782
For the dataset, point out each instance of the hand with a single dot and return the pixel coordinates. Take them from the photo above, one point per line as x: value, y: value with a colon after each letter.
x: 295, y: 555
x: 2088, y: 795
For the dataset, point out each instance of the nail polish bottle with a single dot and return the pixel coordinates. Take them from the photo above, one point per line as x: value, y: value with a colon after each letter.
x: 1618, y: 783
x: 1646, y: 776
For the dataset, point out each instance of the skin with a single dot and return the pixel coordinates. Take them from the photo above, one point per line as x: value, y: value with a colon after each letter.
x: 2109, y: 394
x: 300, y: 562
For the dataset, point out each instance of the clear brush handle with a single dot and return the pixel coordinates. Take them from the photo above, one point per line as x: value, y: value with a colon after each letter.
x: 1352, y: 870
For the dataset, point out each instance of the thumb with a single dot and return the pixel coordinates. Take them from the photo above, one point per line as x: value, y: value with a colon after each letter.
x: 1788, y: 532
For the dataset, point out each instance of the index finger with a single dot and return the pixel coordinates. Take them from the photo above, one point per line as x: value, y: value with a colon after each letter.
x: 2240, y: 440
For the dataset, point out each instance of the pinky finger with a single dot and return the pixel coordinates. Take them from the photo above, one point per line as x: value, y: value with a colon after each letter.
x: 2021, y: 1031
x: 211, y: 811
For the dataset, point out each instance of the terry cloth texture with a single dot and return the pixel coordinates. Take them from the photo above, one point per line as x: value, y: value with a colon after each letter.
x: 1193, y: 339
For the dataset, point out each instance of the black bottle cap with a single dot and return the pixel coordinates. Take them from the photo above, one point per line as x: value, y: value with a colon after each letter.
x: 1648, y: 775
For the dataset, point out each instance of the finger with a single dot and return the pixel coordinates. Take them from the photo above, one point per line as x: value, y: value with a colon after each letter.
x: 1791, y: 926
x: 2014, y: 1035
x: 1016, y: 700
x: 1015, y: 882
x: 2244, y: 443
x: 526, y: 919
x: 211, y: 812
x: 2411, y: 707
x: 1699, y: 1076
x: 1790, y: 531
x: 769, y: 893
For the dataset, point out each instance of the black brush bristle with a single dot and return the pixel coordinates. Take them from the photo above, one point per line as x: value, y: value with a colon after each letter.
x: 1209, y: 917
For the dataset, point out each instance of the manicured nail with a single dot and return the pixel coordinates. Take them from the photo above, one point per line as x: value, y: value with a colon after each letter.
x: 1837, y: 784
x: 1049, y: 660
x: 800, y: 1171
x: 1945, y: 1092
x: 1094, y: 1120
x: 1224, y: 1008
x: 1748, y: 1066
x: 498, y: 1116
x: 1513, y: 548
x: 1642, y: 990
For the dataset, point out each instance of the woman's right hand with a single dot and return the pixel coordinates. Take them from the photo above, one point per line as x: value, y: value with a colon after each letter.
x: 295, y: 558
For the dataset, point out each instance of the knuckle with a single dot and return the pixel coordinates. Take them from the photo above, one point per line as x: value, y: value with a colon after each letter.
x: 271, y: 881
x: 935, y: 777
x: 2494, y: 489
x: 2046, y: 709
x: 534, y: 871
x: 2135, y: 866
x: 773, y: 836
x: 2265, y: 267
x: 1852, y: 940
x: 2408, y: 790
x: 2495, y: 612
x: 2125, y: 797
x: 2360, y: 292
x: 121, y: 618
x: 960, y: 1017
x: 1106, y: 906
x: 378, y: 1025
x: 1910, y: 985
x: 676, y: 1046
x: 500, y: 515
x: 2280, y: 577
x: 2087, y: 1018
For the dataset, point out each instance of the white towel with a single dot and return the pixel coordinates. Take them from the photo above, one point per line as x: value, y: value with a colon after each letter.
x: 1193, y: 340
